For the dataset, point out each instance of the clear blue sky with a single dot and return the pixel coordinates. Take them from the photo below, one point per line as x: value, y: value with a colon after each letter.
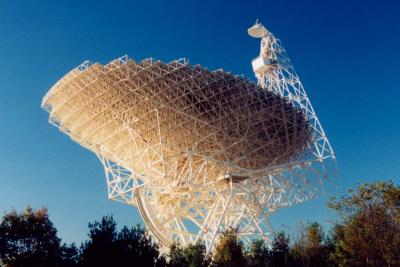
x: 346, y: 53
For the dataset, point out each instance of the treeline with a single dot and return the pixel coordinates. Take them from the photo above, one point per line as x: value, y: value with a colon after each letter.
x: 367, y: 233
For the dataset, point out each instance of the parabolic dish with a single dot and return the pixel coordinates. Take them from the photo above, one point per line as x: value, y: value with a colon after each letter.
x: 173, y: 109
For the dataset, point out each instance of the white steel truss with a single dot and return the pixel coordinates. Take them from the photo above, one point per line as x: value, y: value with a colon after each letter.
x: 197, y: 151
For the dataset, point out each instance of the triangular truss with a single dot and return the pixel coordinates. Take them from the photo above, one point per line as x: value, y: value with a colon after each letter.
x: 197, y: 151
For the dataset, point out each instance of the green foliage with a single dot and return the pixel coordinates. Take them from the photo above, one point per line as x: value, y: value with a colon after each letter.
x: 229, y: 250
x: 193, y: 255
x: 108, y: 247
x: 280, y: 251
x: 101, y: 244
x: 176, y: 258
x: 311, y: 247
x: 28, y: 239
x: 257, y: 254
x: 369, y: 234
x: 69, y: 255
x: 136, y: 245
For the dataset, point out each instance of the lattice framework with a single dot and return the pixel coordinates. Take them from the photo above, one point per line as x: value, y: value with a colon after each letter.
x: 197, y: 151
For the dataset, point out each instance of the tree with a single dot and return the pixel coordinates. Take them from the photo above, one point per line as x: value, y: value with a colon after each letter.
x: 108, y: 247
x: 69, y: 255
x: 137, y: 246
x: 257, y: 254
x: 311, y: 247
x: 29, y: 239
x: 193, y: 255
x: 100, y: 249
x: 369, y: 233
x: 175, y: 256
x: 280, y: 250
x: 229, y: 250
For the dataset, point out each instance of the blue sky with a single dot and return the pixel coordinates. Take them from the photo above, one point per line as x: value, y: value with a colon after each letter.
x: 346, y: 53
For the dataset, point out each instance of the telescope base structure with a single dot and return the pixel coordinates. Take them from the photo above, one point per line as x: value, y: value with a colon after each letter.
x: 193, y: 211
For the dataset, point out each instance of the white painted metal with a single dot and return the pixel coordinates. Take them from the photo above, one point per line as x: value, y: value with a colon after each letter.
x: 198, y: 151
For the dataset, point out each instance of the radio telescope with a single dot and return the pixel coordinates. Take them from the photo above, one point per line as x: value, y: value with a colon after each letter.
x: 198, y: 151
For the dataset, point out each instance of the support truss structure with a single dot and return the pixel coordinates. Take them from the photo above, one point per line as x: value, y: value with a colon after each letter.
x: 197, y: 151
